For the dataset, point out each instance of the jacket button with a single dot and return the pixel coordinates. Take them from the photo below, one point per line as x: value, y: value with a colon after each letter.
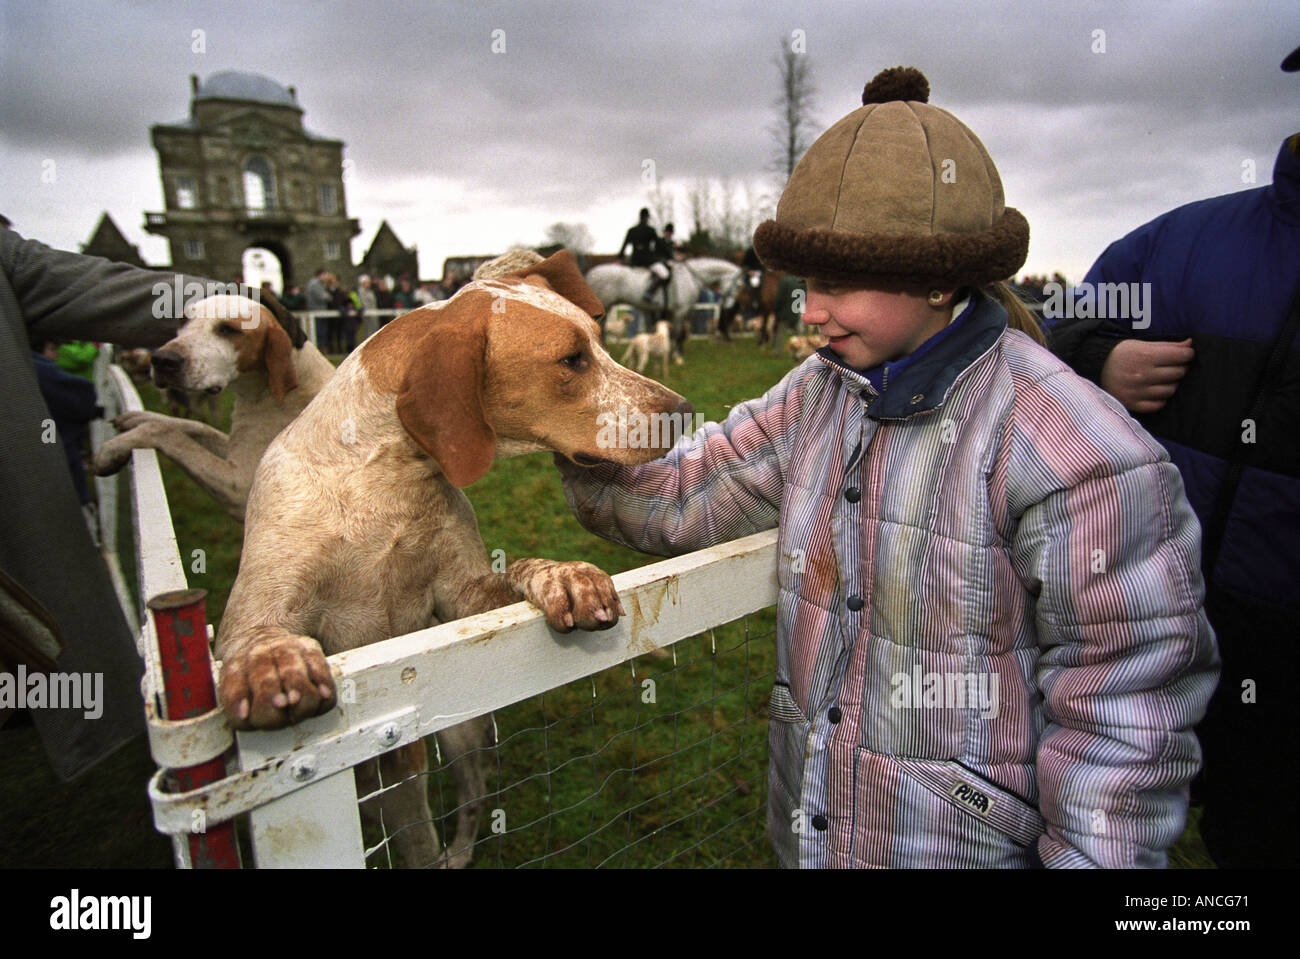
x: 855, y: 603
x: 853, y: 494
x: 834, y: 715
x: 819, y: 823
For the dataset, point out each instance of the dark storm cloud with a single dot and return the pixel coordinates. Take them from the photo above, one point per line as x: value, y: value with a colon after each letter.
x: 585, y: 92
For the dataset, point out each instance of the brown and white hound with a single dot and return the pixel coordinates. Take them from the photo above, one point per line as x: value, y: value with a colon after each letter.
x: 256, y: 348
x: 357, y: 528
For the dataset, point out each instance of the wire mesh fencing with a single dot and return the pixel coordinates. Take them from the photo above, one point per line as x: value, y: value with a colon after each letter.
x: 658, y: 762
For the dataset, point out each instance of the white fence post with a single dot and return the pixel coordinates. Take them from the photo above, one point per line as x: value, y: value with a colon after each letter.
x: 316, y: 826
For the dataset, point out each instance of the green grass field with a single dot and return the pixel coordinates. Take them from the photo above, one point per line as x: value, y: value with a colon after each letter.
x: 590, y: 774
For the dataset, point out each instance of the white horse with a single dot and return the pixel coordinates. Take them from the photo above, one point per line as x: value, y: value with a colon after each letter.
x: 710, y: 270
x: 614, y: 283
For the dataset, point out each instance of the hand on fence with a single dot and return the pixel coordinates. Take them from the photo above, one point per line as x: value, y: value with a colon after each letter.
x: 272, y: 682
x: 570, y: 595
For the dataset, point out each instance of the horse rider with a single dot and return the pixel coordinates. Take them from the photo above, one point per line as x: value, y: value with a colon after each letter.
x: 644, y: 242
x: 647, y: 251
x: 661, y: 271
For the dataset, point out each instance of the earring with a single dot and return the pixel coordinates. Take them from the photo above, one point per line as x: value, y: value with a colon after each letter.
x: 936, y: 297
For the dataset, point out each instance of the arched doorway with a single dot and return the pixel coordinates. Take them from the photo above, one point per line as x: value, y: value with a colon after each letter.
x: 267, y: 261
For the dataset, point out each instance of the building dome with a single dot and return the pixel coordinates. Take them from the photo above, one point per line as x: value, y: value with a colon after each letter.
x: 234, y: 85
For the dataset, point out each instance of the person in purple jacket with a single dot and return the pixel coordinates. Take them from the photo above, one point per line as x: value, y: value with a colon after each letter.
x: 991, y: 648
x: 1211, y: 366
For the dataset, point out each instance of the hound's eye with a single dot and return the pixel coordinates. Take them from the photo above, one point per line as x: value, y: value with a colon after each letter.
x: 227, y: 329
x: 576, y: 361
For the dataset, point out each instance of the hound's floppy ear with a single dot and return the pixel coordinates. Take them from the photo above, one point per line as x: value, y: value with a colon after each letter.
x: 560, y: 272
x: 295, y: 332
x: 440, y: 402
x: 277, y: 354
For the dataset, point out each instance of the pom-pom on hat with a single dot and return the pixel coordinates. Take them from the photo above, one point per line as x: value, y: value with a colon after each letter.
x: 897, y: 192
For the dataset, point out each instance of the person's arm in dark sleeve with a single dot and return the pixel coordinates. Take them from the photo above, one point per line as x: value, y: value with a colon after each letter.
x: 1085, y: 343
x: 71, y: 296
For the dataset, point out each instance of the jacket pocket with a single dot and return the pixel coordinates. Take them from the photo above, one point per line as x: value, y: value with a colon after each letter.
x: 934, y: 814
x: 781, y: 705
x: 787, y: 736
x: 978, y: 798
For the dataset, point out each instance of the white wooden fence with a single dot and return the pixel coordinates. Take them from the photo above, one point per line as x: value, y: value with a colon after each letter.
x: 297, y: 784
x: 313, y: 323
x: 158, y: 569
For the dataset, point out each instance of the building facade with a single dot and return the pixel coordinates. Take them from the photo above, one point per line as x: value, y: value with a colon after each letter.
x: 242, y: 171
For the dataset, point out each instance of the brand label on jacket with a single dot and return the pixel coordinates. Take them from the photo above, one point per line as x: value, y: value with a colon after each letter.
x: 968, y: 795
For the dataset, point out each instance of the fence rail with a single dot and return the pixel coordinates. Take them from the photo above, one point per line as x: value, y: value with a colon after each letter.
x: 157, y: 560
x: 297, y: 783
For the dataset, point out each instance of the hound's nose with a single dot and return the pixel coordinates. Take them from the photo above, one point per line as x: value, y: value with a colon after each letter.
x: 166, y: 361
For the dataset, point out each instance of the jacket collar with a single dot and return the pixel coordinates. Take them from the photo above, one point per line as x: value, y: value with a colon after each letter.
x: 923, y: 386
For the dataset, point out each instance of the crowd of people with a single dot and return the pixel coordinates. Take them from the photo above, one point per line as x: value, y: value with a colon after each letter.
x: 344, y: 310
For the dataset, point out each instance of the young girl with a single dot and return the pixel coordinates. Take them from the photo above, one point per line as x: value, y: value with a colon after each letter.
x: 990, y: 643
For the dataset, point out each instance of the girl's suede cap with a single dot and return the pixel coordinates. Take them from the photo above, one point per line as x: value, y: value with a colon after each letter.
x: 897, y: 192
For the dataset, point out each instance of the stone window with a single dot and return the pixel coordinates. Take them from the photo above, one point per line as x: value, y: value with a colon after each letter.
x: 187, y: 193
x: 194, y: 249
x: 329, y: 199
x: 331, y: 249
x: 259, y: 185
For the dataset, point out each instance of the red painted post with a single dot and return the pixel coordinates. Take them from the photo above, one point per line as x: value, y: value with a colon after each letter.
x: 181, y: 621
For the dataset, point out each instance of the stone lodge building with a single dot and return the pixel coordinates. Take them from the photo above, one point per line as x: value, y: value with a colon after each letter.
x: 242, y: 171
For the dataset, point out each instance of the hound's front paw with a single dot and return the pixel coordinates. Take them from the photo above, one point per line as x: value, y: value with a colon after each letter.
x: 114, y: 454
x: 272, y: 683
x: 133, y: 418
x: 571, y: 595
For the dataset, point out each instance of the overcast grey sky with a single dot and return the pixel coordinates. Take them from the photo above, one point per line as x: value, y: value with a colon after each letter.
x: 466, y: 151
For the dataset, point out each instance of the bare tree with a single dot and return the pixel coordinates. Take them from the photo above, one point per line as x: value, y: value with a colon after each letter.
x: 575, y: 236
x: 733, y: 223
x: 795, y: 126
x: 724, y: 213
x: 700, y: 199
x: 662, y: 204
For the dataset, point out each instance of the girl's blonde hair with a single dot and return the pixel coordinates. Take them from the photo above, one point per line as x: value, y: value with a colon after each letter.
x: 1019, y: 316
